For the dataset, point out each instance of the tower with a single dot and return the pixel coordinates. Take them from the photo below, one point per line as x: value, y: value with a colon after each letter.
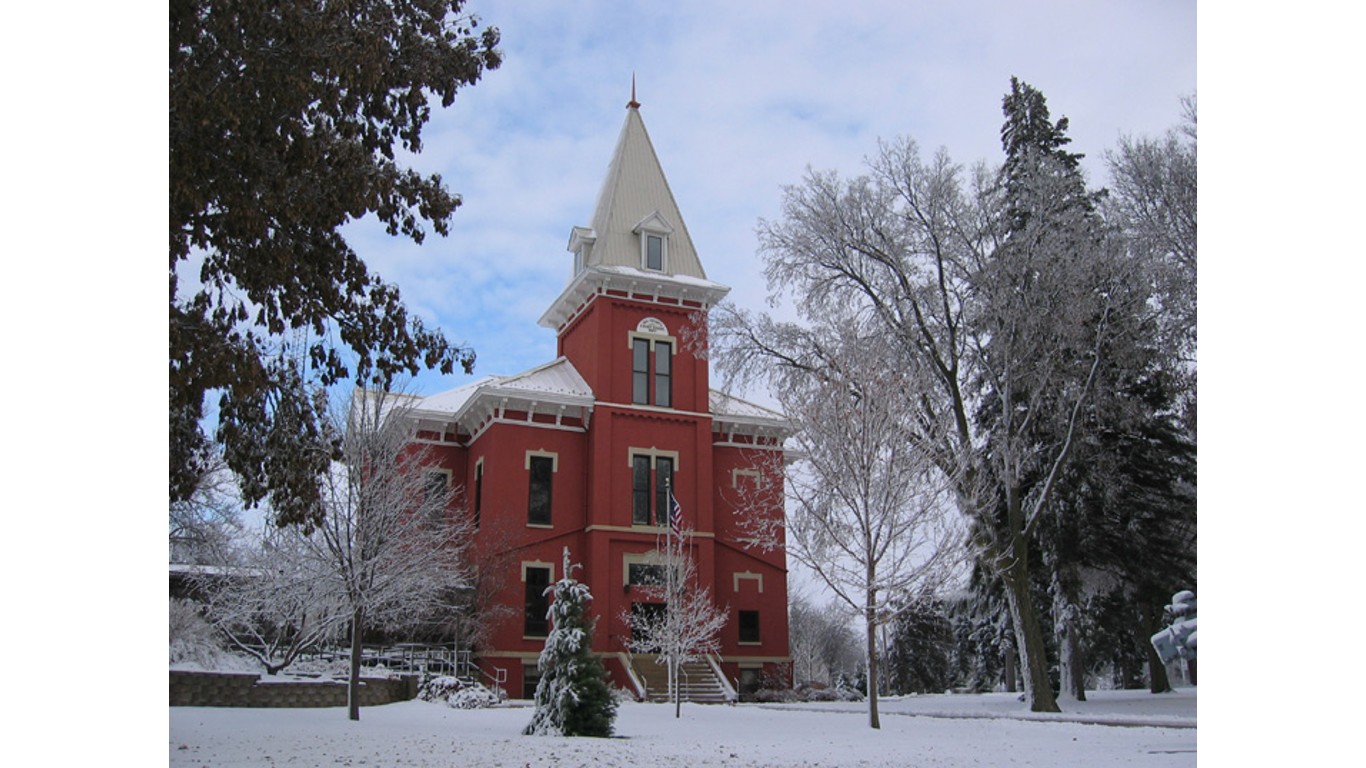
x: 584, y: 450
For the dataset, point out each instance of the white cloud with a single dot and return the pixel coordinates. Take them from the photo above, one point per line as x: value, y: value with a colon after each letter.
x: 739, y: 99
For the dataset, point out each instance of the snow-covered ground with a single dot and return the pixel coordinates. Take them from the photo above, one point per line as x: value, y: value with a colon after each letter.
x: 1139, y: 729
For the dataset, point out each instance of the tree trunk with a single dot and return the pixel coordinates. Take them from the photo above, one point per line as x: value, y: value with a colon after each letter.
x: 353, y: 683
x: 678, y: 687
x: 1071, y: 654
x: 1072, y: 665
x: 1009, y: 671
x: 870, y: 617
x: 1028, y: 635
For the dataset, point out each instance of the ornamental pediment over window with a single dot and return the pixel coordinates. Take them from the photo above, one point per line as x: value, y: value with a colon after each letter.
x: 652, y: 326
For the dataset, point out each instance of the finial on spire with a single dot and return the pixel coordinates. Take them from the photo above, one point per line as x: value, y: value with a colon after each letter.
x: 633, y: 104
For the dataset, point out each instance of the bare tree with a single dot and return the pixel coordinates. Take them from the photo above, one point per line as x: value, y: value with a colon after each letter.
x: 689, y: 626
x: 987, y: 300
x: 391, y: 542
x: 824, y: 647
x: 206, y: 524
x: 268, y: 602
x: 871, y: 515
x: 1153, y: 202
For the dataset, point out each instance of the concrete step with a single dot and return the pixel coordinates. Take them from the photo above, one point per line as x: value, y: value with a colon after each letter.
x: 697, y: 681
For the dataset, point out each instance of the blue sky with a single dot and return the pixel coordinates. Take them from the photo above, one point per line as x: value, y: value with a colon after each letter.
x: 739, y: 99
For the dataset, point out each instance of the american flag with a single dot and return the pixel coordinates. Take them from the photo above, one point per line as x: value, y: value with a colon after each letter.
x: 675, y: 515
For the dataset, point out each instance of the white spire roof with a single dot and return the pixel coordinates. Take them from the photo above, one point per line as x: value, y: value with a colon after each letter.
x: 636, y: 193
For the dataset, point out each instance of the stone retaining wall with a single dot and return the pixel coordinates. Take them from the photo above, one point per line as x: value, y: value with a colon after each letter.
x: 221, y: 689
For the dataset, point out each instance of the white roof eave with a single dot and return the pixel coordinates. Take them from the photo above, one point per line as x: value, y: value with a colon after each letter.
x: 592, y: 280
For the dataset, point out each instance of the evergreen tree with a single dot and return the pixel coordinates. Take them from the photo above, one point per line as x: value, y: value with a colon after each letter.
x: 918, y: 660
x: 572, y: 698
x: 1042, y: 311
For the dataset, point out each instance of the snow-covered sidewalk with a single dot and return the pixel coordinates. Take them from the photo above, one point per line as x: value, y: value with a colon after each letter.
x: 1116, y: 708
x: 992, y: 729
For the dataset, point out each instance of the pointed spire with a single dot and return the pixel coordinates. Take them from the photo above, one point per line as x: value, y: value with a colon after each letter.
x: 633, y: 104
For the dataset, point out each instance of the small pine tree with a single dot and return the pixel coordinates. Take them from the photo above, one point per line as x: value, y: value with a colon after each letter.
x: 572, y: 698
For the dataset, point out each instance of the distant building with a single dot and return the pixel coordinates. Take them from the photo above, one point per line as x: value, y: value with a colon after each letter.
x: 578, y: 452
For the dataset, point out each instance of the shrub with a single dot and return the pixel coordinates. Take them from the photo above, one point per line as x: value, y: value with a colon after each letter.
x: 193, y: 639
x: 457, y: 693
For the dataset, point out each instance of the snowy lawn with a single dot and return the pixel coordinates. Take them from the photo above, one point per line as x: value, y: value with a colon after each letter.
x: 991, y: 729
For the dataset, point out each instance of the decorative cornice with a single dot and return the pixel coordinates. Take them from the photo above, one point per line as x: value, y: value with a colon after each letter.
x: 635, y: 285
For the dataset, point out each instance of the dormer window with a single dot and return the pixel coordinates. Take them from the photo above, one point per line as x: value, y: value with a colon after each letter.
x: 654, y: 234
x: 581, y: 245
x: 654, y: 252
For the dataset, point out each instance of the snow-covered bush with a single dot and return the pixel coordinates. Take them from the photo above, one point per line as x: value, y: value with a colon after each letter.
x: 473, y: 697
x: 193, y: 639
x: 457, y: 693
x: 829, y: 694
x: 439, y: 688
x: 771, y: 695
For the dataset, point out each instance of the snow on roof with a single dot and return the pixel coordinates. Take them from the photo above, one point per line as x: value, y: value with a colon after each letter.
x: 453, y: 400
x: 555, y: 382
x: 557, y: 377
x: 728, y: 407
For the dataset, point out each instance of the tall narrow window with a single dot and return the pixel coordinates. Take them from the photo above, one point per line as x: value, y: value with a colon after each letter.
x: 478, y: 491
x: 663, y: 374
x: 434, y: 494
x: 652, y: 368
x: 640, y: 371
x: 538, y: 505
x: 749, y: 626
x: 640, y: 490
x: 654, y: 252
x: 664, y: 481
x: 535, y: 623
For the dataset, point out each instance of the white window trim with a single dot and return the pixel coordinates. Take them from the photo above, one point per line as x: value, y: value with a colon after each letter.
x: 753, y: 474
x: 747, y: 576
x: 645, y: 251
x: 653, y: 453
x: 537, y: 564
x: 655, y: 225
x: 653, y: 557
x: 631, y: 337
x: 553, y: 456
x: 450, y: 476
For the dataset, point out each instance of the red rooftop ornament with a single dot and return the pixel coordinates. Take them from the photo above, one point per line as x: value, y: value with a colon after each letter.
x: 633, y: 104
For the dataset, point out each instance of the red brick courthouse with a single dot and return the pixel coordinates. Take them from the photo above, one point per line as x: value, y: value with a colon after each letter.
x: 577, y: 452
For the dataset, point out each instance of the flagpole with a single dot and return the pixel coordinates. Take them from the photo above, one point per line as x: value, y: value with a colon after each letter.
x: 670, y: 606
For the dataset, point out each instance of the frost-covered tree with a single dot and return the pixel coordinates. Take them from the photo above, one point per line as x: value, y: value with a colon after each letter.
x: 1153, y: 203
x: 206, y: 525
x: 392, y: 543
x: 690, y: 623
x: 572, y: 697
x: 824, y: 646
x: 987, y: 297
x: 270, y: 602
x: 871, y: 513
x: 390, y: 551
